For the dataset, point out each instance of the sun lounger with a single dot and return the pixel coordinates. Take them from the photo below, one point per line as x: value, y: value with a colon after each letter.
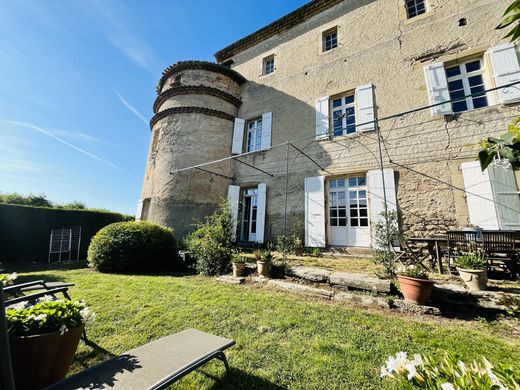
x: 155, y: 365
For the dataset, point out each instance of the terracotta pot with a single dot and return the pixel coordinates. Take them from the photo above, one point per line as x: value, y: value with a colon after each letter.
x: 415, y: 290
x: 264, y: 267
x: 43, y: 359
x: 239, y: 269
x: 475, y: 279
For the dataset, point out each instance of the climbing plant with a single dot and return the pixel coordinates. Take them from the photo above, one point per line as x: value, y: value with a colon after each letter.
x: 506, y: 147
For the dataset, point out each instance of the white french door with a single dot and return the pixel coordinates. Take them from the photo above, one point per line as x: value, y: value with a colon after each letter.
x: 249, y: 214
x: 348, y: 212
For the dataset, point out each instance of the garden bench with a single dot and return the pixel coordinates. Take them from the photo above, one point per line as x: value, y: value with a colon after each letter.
x: 155, y: 365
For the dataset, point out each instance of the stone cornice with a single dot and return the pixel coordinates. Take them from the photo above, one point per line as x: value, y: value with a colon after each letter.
x: 203, y: 65
x: 189, y: 110
x: 194, y: 90
x: 292, y: 19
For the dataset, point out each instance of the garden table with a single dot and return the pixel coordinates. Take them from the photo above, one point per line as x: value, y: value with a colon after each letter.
x: 434, y: 245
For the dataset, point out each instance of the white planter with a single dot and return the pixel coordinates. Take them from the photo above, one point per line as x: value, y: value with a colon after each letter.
x: 475, y: 279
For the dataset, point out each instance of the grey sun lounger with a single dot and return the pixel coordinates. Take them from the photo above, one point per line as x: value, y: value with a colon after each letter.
x: 155, y: 365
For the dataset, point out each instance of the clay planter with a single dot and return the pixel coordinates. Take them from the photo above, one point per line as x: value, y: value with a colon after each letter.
x: 43, y: 359
x: 415, y: 290
x: 239, y: 269
x: 264, y: 268
x: 475, y: 279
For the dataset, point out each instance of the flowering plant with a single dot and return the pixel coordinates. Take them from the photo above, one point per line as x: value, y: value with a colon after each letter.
x: 6, y: 279
x: 46, y: 316
x: 413, y: 271
x: 425, y: 372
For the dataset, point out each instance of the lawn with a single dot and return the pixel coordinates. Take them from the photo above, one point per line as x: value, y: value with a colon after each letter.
x: 283, y: 341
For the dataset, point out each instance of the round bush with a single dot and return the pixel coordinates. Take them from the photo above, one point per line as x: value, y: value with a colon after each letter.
x: 132, y: 246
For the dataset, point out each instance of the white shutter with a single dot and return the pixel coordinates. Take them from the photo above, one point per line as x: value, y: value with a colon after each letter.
x: 506, y: 196
x: 315, y: 211
x: 322, y: 117
x: 376, y: 196
x: 438, y: 92
x: 139, y: 212
x: 267, y: 124
x: 506, y: 70
x: 233, y: 198
x: 260, y: 213
x: 479, y: 196
x: 238, y: 136
x: 365, y: 108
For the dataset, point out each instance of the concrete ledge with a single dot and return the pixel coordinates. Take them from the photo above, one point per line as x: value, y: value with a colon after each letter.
x: 230, y: 279
x: 318, y: 275
x: 361, y: 299
x: 458, y: 295
x: 409, y: 307
x: 360, y: 281
x: 300, y: 289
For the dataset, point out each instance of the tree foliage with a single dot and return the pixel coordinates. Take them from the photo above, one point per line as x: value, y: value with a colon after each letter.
x: 506, y: 147
x: 511, y: 17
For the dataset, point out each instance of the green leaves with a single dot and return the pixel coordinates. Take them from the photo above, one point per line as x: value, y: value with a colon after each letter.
x: 511, y: 16
x: 507, y: 147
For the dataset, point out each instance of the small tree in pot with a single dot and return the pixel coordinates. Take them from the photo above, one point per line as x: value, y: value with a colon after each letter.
x: 239, y: 265
x: 415, y: 285
x: 43, y: 339
x: 264, y: 261
x: 472, y: 270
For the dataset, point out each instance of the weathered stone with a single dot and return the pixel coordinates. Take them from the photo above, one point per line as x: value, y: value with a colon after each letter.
x: 312, y: 274
x: 230, y: 279
x: 361, y: 299
x: 409, y: 307
x: 360, y: 281
x: 300, y: 289
x: 458, y: 295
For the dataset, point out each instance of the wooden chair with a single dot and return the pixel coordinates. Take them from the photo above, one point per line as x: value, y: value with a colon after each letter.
x: 501, y: 246
x: 461, y: 242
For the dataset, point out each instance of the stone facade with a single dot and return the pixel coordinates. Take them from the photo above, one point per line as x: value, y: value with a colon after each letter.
x: 378, y: 45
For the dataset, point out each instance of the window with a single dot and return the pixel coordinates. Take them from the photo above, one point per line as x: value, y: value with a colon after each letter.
x: 268, y: 66
x: 415, y: 8
x: 330, y: 39
x: 254, y: 135
x: 348, y: 204
x: 343, y: 115
x: 464, y: 80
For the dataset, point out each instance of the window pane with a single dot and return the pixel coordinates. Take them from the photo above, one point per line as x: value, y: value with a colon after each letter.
x: 455, y: 71
x: 361, y: 181
x: 352, y: 182
x: 455, y: 85
x: 333, y: 213
x: 349, y: 99
x: 480, y: 102
x: 332, y: 184
x: 363, y: 212
x: 351, y: 129
x: 475, y: 80
x: 353, y: 213
x: 342, y: 222
x: 354, y: 222
x: 341, y: 183
x: 460, y: 106
x: 460, y: 94
x: 342, y: 213
x: 472, y: 66
x: 363, y: 222
x: 333, y: 222
x: 341, y: 199
x: 353, y: 194
x: 334, y: 199
x: 336, y: 103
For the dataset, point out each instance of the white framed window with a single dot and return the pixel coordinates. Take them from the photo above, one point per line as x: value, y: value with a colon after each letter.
x: 464, y: 80
x: 254, y: 135
x: 415, y: 8
x: 348, y: 202
x: 330, y: 39
x: 343, y: 115
x: 268, y: 65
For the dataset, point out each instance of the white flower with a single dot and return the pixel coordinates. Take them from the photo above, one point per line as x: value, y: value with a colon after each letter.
x: 63, y: 329
x: 38, y: 318
x: 412, y: 371
x: 87, y: 315
x: 397, y: 363
x: 417, y: 359
x: 13, y: 276
x: 384, y: 372
x: 447, y: 386
x: 47, y: 298
x: 19, y: 305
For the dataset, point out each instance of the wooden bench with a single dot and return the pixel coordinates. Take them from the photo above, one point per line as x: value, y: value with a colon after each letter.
x: 155, y: 365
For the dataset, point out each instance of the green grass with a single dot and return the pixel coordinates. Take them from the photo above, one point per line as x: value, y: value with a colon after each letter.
x: 283, y: 341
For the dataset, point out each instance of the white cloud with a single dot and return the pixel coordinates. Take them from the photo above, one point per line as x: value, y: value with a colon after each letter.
x: 132, y: 109
x: 50, y: 134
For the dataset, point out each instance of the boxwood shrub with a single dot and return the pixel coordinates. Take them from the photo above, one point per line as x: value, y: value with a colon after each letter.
x: 133, y: 247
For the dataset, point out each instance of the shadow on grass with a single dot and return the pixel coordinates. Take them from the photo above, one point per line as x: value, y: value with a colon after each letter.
x: 41, y: 267
x: 239, y: 379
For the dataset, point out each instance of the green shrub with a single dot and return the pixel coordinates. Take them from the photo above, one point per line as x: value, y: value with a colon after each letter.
x: 472, y: 261
x: 132, y: 246
x: 293, y: 243
x: 414, y: 272
x: 211, y: 244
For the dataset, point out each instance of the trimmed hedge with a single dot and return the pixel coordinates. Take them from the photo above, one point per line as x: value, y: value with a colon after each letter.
x: 132, y: 246
x: 25, y: 230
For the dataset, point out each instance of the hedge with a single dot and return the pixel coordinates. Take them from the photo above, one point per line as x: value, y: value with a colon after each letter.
x: 25, y: 230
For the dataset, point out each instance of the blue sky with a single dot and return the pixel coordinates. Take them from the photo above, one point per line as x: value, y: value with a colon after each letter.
x: 77, y: 84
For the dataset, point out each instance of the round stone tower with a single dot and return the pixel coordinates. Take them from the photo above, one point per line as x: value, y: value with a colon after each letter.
x: 196, y: 105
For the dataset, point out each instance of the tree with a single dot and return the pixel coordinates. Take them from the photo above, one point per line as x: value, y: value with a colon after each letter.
x: 511, y: 17
x: 29, y: 200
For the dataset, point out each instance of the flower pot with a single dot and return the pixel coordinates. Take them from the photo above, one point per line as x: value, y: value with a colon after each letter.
x: 264, y: 267
x: 239, y: 269
x: 415, y: 290
x: 43, y: 359
x: 475, y: 279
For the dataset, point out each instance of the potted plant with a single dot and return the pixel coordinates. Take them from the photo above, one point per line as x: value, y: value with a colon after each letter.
x: 415, y: 285
x: 472, y: 270
x: 239, y: 265
x: 43, y: 339
x: 264, y: 262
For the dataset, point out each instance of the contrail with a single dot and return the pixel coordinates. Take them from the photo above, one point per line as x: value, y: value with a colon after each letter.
x: 48, y: 133
x: 132, y: 109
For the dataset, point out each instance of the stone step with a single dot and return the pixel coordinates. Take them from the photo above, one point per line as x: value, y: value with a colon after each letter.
x: 318, y: 275
x: 300, y: 289
x: 360, y: 281
x: 230, y: 279
x: 348, y: 252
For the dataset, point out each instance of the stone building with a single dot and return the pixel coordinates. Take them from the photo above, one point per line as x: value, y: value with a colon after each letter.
x: 302, y: 104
